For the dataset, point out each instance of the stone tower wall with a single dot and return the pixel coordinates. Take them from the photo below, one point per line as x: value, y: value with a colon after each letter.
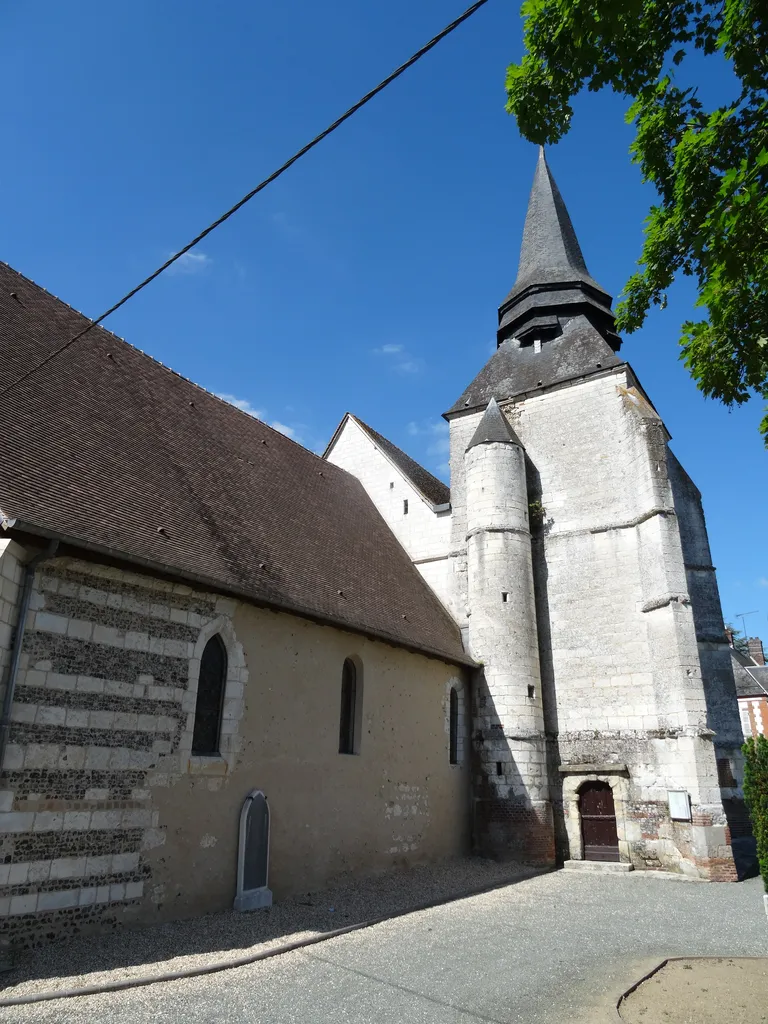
x: 512, y: 810
x: 624, y: 699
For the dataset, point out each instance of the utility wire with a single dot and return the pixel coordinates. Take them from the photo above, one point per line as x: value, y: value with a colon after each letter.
x: 247, y: 198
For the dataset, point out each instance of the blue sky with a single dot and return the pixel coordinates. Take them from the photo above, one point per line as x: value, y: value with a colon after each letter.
x: 368, y: 277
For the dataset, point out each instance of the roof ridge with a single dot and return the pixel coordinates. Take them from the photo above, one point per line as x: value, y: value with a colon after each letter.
x: 157, y: 362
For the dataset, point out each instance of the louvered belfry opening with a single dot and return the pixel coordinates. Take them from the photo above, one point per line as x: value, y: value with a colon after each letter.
x: 210, y: 698
x: 348, y: 708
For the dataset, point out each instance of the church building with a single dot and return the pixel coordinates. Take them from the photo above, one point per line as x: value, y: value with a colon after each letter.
x: 198, y: 616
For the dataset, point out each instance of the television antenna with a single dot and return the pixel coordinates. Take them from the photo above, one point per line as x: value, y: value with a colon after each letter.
x: 742, y: 616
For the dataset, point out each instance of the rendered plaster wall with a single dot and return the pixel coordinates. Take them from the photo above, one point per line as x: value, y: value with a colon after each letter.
x: 424, y: 533
x: 620, y: 663
x: 396, y: 803
x: 106, y: 816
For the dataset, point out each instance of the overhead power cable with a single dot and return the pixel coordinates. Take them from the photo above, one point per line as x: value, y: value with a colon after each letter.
x: 247, y: 198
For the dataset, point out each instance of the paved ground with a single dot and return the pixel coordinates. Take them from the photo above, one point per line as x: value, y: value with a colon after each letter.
x: 224, y: 937
x: 559, y: 947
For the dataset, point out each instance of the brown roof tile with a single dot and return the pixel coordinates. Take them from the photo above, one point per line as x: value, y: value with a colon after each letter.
x: 109, y: 449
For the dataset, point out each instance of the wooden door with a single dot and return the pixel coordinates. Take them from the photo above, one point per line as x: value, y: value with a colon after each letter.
x: 598, y: 822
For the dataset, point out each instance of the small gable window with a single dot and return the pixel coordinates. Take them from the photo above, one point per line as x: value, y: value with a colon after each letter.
x: 210, y: 698
x: 351, y: 697
x: 453, y: 727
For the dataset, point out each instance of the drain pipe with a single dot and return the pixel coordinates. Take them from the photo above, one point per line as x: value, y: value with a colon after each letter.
x: 10, y: 686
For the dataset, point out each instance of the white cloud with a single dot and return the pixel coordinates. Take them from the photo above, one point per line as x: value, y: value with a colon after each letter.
x: 440, y: 447
x: 400, y: 358
x: 190, y: 263
x: 242, y: 404
x: 410, y: 366
x: 428, y: 427
x: 437, y: 430
x: 436, y: 441
x: 283, y: 428
x: 296, y: 431
x: 763, y: 581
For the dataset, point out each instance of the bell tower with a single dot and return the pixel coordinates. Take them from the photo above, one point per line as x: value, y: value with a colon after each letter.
x: 597, y: 628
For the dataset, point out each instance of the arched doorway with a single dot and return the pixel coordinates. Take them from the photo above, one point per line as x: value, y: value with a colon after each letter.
x: 598, y: 822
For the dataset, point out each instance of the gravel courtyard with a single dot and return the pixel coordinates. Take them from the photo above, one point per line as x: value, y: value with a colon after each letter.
x: 556, y: 947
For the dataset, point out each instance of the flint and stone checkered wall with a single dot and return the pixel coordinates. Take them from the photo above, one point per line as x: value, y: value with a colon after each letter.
x: 103, y: 711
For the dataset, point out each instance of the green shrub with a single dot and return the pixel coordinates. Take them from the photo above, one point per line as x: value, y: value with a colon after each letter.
x: 756, y: 796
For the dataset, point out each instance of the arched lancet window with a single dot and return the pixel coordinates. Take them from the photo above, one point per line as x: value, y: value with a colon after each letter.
x: 210, y: 698
x: 453, y: 726
x: 348, y: 739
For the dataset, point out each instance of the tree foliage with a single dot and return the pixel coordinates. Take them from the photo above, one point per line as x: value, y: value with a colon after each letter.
x: 709, y: 167
x: 756, y: 796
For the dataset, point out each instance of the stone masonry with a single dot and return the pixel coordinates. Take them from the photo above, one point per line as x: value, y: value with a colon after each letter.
x: 513, y: 816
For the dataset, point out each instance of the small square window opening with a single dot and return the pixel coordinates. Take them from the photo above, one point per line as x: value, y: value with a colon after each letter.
x: 405, y: 506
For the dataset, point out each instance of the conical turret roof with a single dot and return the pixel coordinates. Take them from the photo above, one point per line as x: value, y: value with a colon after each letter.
x: 493, y: 428
x: 552, y: 278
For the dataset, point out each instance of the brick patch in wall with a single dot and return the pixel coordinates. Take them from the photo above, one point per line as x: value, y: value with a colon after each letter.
x: 721, y: 869
x: 701, y: 818
x: 511, y: 828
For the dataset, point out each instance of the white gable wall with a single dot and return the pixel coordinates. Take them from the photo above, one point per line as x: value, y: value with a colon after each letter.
x: 424, y: 533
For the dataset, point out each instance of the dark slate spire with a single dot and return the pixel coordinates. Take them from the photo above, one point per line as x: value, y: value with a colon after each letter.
x: 553, y: 283
x: 493, y: 428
